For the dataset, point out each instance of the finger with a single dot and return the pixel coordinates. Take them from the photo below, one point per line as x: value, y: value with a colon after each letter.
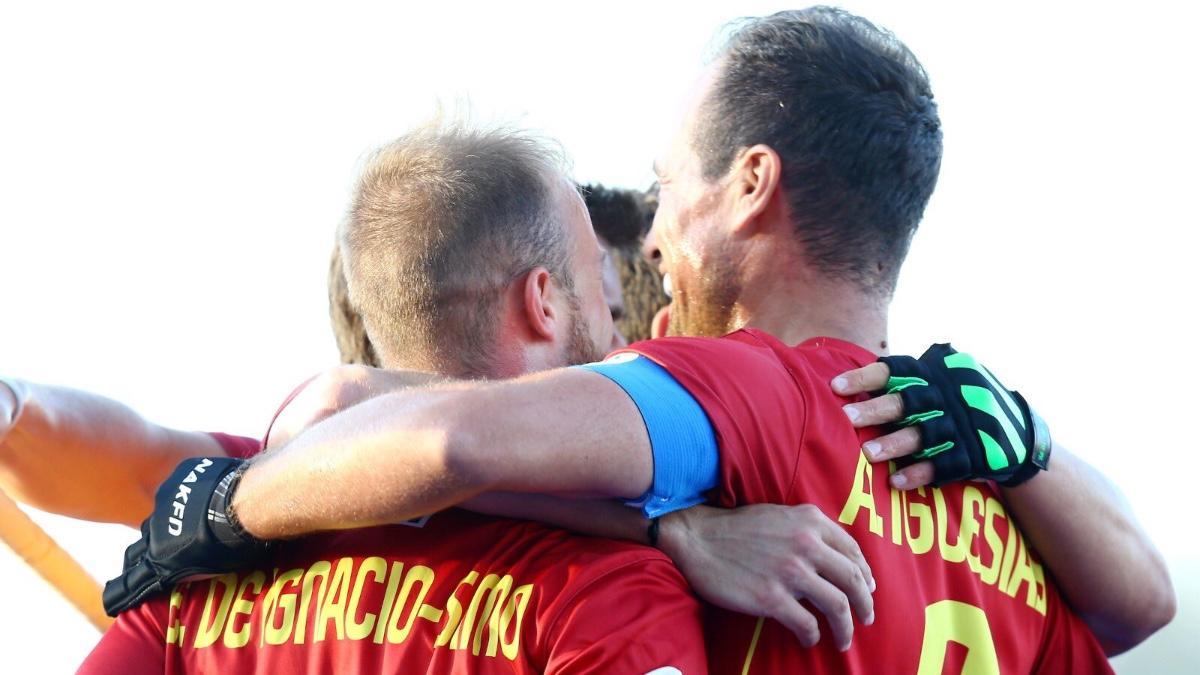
x: 875, y: 411
x: 787, y: 611
x: 832, y: 603
x: 840, y: 541
x: 915, y: 476
x: 896, y: 444
x: 871, y: 377
x: 847, y: 577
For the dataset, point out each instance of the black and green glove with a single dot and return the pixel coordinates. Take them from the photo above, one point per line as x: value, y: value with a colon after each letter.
x: 971, y: 426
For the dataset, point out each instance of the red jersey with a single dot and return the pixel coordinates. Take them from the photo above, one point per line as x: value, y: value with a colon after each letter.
x: 958, y: 587
x: 451, y: 593
x: 239, y: 447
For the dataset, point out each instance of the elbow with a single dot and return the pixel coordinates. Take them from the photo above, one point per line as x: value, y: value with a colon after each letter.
x: 1160, y: 604
x: 1166, y: 610
x: 1157, y: 608
x: 1161, y: 607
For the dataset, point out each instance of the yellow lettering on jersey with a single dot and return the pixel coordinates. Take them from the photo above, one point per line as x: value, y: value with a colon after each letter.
x: 212, y: 619
x: 335, y: 592
x: 487, y: 592
x: 951, y: 621
x: 513, y: 615
x: 355, y: 629
x: 992, y: 509
x: 454, y: 611
x: 862, y: 497
x: 922, y: 542
x: 1021, y: 571
x: 898, y: 507
x: 276, y: 599
x: 490, y: 616
x: 922, y: 516
x: 1039, y: 597
x: 955, y: 552
x: 318, y: 571
x: 385, y: 608
x: 418, y: 574
x: 334, y: 607
x: 240, y: 637
x: 968, y: 528
x: 175, y: 627
x: 1010, y: 555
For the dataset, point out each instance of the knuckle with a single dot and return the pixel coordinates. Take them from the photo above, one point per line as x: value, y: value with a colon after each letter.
x: 841, y: 608
x: 882, y: 369
x: 796, y: 575
x: 907, y: 440
x: 809, y: 634
x: 921, y: 473
x: 765, y: 598
x: 806, y: 541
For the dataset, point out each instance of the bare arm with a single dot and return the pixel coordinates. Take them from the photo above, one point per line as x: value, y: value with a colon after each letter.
x: 335, y: 390
x: 1103, y: 561
x: 408, y: 453
x: 62, y: 439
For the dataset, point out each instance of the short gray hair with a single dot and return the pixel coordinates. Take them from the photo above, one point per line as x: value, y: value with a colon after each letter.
x: 442, y: 219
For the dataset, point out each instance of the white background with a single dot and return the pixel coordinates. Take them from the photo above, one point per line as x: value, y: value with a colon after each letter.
x: 170, y: 178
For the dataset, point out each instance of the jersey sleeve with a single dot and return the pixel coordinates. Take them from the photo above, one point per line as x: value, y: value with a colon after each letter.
x: 682, y: 440
x: 754, y: 404
x: 238, y: 447
x: 134, y: 645
x: 638, y: 618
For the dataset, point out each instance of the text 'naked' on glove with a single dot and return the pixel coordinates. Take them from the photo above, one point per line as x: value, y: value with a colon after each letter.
x: 188, y: 535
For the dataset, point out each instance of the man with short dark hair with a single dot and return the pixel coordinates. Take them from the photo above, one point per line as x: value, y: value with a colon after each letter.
x: 454, y: 592
x: 622, y: 218
x: 787, y: 228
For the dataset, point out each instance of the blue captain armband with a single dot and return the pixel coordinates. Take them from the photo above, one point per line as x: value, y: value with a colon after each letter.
x: 681, y: 436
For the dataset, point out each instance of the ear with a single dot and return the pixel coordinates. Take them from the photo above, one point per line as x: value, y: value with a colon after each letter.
x: 755, y: 188
x: 539, y: 302
x: 658, y: 325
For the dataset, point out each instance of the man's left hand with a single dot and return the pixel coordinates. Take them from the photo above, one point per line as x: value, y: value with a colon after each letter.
x: 188, y: 535
x: 950, y: 392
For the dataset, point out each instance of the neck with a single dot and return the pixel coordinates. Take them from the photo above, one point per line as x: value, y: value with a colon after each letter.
x: 795, y: 310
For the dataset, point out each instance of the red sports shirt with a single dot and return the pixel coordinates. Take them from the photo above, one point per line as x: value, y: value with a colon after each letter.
x: 959, y: 590
x: 452, y: 593
x: 457, y: 593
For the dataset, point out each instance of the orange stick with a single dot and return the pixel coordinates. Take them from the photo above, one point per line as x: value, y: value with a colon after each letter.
x: 47, y: 558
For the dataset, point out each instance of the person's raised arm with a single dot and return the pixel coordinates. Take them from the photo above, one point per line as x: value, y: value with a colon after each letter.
x: 55, y: 441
